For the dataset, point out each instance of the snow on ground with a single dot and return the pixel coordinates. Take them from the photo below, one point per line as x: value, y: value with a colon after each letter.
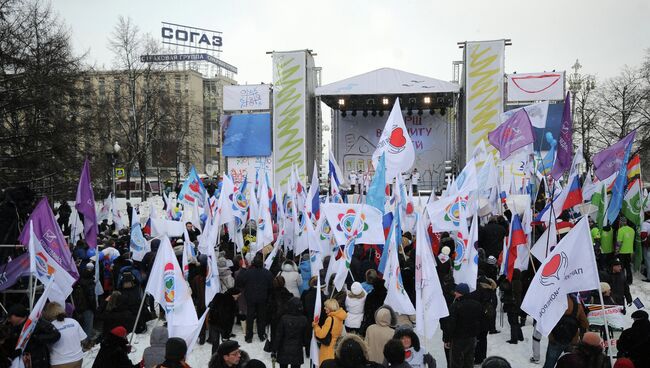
x: 518, y: 355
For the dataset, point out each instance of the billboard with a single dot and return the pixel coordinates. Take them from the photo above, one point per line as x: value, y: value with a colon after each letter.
x: 289, y: 114
x: 247, y: 97
x: 242, y: 167
x: 535, y: 86
x: 484, y: 70
x: 246, y: 135
x: 168, y: 58
x: 356, y: 139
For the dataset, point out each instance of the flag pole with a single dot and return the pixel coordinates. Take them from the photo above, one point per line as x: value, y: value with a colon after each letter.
x: 137, y: 318
x: 609, y: 348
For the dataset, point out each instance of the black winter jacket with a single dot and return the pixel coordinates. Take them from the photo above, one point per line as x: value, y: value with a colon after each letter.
x: 291, y: 335
x: 464, y: 319
x: 44, y: 334
x: 114, y: 353
x: 256, y: 283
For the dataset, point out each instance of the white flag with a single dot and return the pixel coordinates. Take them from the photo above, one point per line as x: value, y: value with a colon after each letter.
x: 139, y: 246
x: 396, y: 296
x: 396, y: 143
x: 545, y: 244
x: 45, y: 268
x: 189, y: 333
x: 117, y: 216
x: 264, y: 224
x: 341, y: 218
x: 536, y: 113
x: 32, y: 319
x: 314, y: 350
x: 571, y: 267
x: 446, y: 213
x: 212, y: 282
x: 466, y: 261
x: 168, y: 288
x: 227, y: 213
x: 430, y: 303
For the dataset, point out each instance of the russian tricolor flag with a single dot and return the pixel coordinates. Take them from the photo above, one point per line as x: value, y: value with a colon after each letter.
x: 574, y: 197
x: 335, y: 170
x: 517, y: 237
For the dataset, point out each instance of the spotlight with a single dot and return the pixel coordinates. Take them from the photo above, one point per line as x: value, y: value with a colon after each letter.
x: 354, y: 113
x: 374, y: 113
x: 381, y: 112
x: 443, y: 111
x: 420, y: 112
x: 343, y: 113
x: 432, y: 111
x: 427, y: 100
x: 365, y: 113
x: 384, y: 101
x: 341, y: 102
x: 409, y: 112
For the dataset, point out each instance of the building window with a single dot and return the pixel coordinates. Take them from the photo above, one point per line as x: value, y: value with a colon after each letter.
x: 102, y: 89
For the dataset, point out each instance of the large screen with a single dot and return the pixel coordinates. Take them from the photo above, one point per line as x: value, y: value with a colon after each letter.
x: 246, y: 135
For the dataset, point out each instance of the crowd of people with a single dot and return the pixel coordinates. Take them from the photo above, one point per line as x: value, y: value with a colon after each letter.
x: 355, y: 329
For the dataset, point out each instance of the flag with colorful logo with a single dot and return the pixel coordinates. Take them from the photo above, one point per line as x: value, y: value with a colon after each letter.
x: 465, y: 266
x: 396, y: 144
x: 342, y: 217
x: 192, y: 191
x: 32, y: 319
x: 513, y: 134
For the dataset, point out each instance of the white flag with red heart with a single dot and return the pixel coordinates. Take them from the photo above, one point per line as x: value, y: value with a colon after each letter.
x: 396, y: 143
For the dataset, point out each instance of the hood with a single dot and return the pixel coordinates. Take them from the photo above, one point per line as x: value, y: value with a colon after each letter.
x: 159, y: 336
x: 383, y: 317
x: 391, y: 312
x: 351, y: 351
x: 294, y: 307
x: 288, y: 266
x: 339, y: 314
x: 407, y: 331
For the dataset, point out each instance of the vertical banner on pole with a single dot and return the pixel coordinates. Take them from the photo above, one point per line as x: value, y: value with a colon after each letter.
x: 289, y: 115
x: 484, y: 78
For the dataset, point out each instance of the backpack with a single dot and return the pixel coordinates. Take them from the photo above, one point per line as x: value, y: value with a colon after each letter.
x: 567, y: 327
x: 328, y: 337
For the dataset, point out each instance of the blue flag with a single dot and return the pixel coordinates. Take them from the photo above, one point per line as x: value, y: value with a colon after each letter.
x: 618, y: 191
x: 377, y: 189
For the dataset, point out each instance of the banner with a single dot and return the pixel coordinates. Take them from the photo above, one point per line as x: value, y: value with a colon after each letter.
x: 484, y: 69
x: 247, y: 97
x: 241, y: 167
x: 289, y: 115
x: 358, y: 136
x: 535, y: 86
x: 615, y: 316
x: 246, y: 135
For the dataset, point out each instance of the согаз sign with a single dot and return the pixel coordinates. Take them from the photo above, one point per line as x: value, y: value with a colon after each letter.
x: 198, y: 38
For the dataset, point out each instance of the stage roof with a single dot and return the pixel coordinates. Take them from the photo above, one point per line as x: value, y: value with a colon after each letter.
x: 387, y: 81
x: 378, y: 89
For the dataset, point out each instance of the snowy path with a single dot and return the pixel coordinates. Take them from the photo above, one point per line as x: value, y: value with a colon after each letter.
x: 518, y: 355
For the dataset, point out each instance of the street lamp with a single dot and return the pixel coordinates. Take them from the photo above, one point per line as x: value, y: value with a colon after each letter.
x: 111, y: 153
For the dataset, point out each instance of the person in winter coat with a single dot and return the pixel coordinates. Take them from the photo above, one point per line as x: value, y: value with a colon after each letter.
x: 308, y: 300
x: 225, y: 274
x: 378, y: 334
x: 155, y: 353
x: 292, y: 279
x: 83, y: 295
x: 374, y: 300
x: 175, y: 352
x: 618, y: 283
x: 556, y: 346
x: 370, y: 277
x: 354, y: 304
x: 114, y: 351
x: 462, y: 326
x: 634, y: 342
x: 221, y: 318
x: 115, y: 313
x: 66, y: 352
x: 228, y: 355
x: 486, y: 295
x: 588, y: 354
x: 280, y: 296
x: 351, y: 352
x: 333, y: 326
x: 511, y: 301
x: 415, y: 355
x: 291, y: 336
x: 44, y: 334
x: 305, y: 273
x: 257, y: 284
x: 394, y: 354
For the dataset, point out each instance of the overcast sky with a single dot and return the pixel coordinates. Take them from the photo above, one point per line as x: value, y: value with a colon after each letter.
x: 356, y: 36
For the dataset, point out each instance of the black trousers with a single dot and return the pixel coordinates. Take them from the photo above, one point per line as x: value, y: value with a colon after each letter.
x: 515, y: 327
x: 626, y: 260
x: 480, y: 352
x: 255, y: 311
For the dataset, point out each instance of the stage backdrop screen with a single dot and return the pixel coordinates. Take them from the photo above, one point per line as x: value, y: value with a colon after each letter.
x: 357, y: 138
x: 246, y: 135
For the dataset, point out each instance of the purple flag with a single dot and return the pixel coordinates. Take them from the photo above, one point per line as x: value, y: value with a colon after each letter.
x: 49, y: 234
x: 609, y: 160
x: 85, y: 204
x: 565, y: 143
x: 13, y: 270
x: 514, y: 133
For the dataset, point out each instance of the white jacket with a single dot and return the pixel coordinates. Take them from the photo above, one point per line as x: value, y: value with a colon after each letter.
x: 354, y: 306
x: 292, y: 279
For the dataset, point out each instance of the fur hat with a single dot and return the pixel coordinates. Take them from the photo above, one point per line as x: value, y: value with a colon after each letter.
x: 351, y: 351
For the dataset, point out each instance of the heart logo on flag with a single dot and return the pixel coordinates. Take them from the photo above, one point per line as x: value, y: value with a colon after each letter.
x: 397, y: 140
x: 551, y: 270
